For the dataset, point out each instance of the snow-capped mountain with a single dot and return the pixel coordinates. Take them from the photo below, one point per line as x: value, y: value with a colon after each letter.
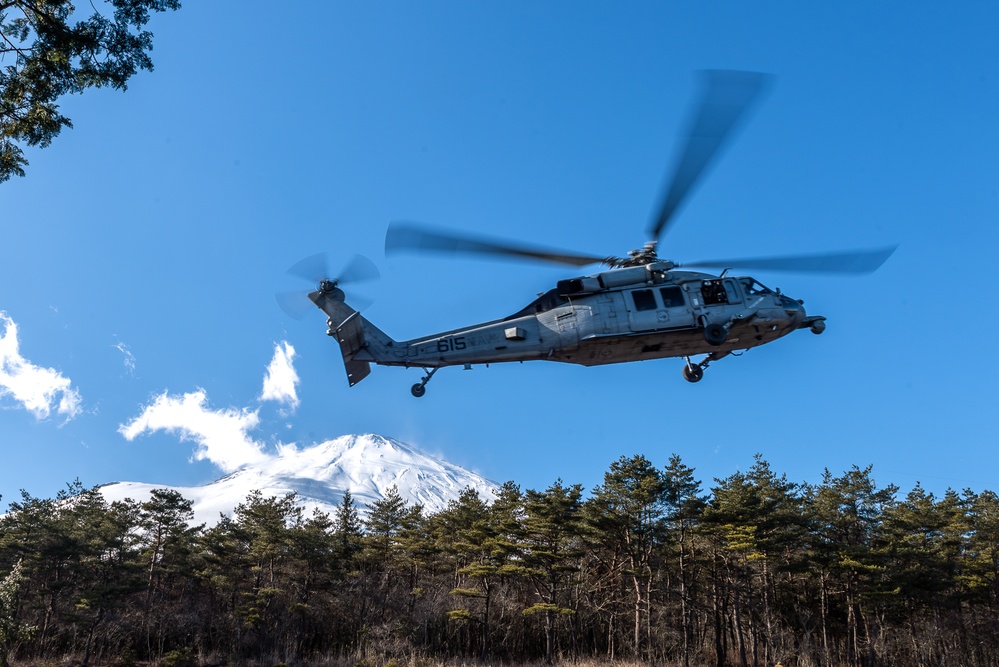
x: 366, y: 465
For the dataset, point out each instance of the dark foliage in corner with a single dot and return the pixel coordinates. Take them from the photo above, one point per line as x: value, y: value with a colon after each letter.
x: 47, y: 50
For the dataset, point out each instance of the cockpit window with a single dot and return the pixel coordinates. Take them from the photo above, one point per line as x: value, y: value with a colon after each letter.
x: 751, y: 287
x: 713, y: 292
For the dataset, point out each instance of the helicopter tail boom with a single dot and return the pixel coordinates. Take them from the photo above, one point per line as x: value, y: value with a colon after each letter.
x: 360, y: 340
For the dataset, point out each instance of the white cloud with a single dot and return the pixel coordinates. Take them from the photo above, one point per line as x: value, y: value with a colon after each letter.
x: 221, y: 435
x: 39, y: 390
x: 280, y: 380
x: 129, y: 359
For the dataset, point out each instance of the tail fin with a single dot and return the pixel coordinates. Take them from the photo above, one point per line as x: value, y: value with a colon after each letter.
x: 360, y: 341
x: 350, y: 335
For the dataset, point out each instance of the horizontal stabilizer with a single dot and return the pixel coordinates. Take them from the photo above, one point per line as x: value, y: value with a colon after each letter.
x: 357, y: 371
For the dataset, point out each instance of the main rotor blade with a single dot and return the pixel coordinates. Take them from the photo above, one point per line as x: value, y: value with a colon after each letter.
x: 727, y: 96
x: 403, y: 236
x: 858, y: 261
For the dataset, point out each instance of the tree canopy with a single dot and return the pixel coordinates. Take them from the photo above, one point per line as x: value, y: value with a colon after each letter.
x: 646, y: 567
x: 49, y: 49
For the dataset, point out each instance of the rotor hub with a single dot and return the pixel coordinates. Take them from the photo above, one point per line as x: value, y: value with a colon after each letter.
x: 638, y: 257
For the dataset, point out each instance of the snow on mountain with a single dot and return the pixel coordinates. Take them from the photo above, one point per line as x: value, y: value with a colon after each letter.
x: 366, y: 465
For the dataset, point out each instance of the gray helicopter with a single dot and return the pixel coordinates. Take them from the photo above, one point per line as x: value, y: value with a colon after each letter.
x: 642, y: 307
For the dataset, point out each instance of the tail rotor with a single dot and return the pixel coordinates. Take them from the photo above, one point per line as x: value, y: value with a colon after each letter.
x: 316, y: 270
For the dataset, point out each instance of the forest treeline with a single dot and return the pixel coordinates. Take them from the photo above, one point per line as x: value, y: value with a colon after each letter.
x: 645, y: 567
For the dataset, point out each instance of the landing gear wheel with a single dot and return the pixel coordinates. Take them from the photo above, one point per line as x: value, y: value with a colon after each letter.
x: 693, y: 373
x: 715, y: 334
x: 818, y: 327
x: 420, y: 388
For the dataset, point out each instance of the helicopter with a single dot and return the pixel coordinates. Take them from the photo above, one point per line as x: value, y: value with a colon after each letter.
x: 641, y: 307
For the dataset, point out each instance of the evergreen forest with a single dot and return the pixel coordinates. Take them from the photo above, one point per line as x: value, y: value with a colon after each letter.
x: 648, y: 567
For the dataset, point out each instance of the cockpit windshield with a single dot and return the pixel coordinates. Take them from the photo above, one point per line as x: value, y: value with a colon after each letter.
x: 751, y: 287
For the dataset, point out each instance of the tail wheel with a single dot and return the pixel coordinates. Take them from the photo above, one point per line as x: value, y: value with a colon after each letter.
x: 715, y: 334
x: 693, y: 373
x: 418, y: 390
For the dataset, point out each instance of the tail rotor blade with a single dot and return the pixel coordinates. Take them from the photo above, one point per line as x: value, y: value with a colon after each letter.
x: 294, y: 304
x: 314, y: 268
x: 358, y: 270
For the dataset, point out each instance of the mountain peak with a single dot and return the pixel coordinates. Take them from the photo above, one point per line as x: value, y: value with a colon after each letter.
x: 367, y: 465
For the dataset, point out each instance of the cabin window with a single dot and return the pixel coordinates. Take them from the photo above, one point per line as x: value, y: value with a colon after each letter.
x: 713, y: 292
x: 672, y: 296
x: 644, y: 299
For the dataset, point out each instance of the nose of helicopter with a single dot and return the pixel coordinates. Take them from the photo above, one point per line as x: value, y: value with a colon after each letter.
x: 795, y: 310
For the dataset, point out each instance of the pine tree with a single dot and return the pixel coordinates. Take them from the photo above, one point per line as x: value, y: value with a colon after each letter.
x: 476, y: 536
x: 849, y: 513
x: 347, y: 532
x: 168, y: 544
x: 47, y: 56
x: 729, y: 521
x: 265, y: 526
x: 631, y: 507
x: 11, y: 630
x: 552, y: 527
x: 684, y: 505
x: 103, y: 570
x: 386, y: 555
x: 312, y: 550
x: 164, y: 519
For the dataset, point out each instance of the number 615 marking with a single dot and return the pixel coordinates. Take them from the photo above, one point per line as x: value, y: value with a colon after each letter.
x: 451, y: 344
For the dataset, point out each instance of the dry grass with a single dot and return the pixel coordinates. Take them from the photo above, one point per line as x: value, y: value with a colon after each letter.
x: 370, y: 661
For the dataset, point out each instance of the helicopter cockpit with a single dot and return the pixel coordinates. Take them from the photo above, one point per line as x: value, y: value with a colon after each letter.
x: 719, y: 291
x: 752, y: 287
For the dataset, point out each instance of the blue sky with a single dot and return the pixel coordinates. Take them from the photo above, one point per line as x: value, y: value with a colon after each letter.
x: 142, y: 252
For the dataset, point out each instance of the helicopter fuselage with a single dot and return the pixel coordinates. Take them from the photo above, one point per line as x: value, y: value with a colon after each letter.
x: 629, y: 314
x: 640, y: 314
x: 642, y: 308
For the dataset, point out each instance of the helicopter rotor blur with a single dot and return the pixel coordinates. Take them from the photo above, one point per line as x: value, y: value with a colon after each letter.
x: 642, y: 307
